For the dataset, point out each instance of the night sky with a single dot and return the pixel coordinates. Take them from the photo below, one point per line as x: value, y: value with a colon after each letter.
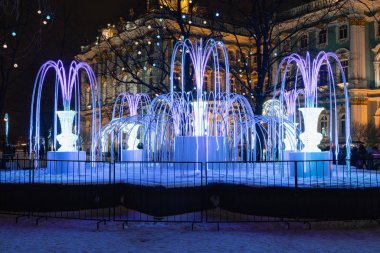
x: 75, y: 23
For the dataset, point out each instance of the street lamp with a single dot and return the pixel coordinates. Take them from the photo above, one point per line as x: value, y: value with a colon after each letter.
x: 6, y: 120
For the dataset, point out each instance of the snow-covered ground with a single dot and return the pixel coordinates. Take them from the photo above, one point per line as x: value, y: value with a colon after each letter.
x: 188, y: 174
x: 56, y: 235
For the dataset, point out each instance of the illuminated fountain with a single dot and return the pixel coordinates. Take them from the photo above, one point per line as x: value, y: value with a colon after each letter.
x: 210, y: 122
x: 198, y: 123
x: 129, y: 105
x: 290, y: 140
x: 305, y: 89
x: 280, y: 130
x: 67, y: 85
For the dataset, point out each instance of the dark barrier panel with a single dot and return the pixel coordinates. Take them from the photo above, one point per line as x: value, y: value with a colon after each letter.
x: 54, y: 197
x: 164, y: 191
x: 304, y: 203
x: 159, y: 201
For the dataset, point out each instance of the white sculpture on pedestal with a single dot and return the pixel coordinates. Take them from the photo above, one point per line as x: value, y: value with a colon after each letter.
x: 67, y: 139
x: 311, y: 137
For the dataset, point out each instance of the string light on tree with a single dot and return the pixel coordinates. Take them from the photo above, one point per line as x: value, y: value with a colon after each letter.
x: 13, y: 34
x: 5, y: 46
x: 15, y: 65
x: 39, y: 12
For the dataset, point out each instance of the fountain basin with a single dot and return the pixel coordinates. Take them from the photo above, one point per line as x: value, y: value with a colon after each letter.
x: 66, y: 162
x: 200, y: 149
x: 131, y: 155
x: 309, y: 164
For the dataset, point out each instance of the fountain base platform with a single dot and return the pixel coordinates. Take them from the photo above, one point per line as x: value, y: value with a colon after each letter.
x: 309, y: 164
x: 200, y: 149
x: 66, y: 162
x: 131, y: 155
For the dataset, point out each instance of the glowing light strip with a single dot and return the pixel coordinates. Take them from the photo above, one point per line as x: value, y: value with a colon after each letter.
x: 309, y: 72
x: 66, y: 83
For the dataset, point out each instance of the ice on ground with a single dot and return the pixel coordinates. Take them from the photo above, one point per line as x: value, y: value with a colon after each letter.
x: 190, y: 174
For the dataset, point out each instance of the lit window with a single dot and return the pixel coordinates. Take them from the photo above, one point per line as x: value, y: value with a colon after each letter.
x: 343, y: 125
x: 324, y: 125
x: 343, y: 32
x: 322, y: 37
x: 344, y: 63
x: 323, y: 75
x: 343, y: 57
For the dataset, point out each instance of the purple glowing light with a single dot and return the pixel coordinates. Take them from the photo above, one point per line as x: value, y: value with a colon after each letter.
x: 305, y: 90
x: 290, y: 98
x: 68, y: 85
x: 128, y: 104
x: 200, y: 54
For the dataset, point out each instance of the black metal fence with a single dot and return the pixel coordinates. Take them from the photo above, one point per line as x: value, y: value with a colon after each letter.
x: 160, y: 191
x: 177, y: 191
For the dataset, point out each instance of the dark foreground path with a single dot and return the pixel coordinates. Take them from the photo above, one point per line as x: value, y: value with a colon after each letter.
x: 56, y: 235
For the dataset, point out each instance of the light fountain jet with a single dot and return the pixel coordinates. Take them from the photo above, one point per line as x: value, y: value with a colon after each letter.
x: 67, y: 85
x: 307, y: 82
x: 129, y: 105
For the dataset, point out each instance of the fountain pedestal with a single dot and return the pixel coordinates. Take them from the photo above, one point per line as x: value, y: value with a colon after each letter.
x: 200, y: 149
x: 67, y: 159
x: 131, y: 155
x: 311, y: 162
x: 59, y: 162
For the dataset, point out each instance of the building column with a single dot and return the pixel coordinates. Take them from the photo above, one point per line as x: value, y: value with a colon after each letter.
x: 359, y: 109
x: 376, y: 115
x: 357, y: 52
x: 376, y: 68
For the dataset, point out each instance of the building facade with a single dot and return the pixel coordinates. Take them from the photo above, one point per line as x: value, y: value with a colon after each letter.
x: 134, y: 55
x: 353, y: 33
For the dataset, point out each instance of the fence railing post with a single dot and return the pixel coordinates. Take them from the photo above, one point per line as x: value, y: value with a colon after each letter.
x: 295, y: 174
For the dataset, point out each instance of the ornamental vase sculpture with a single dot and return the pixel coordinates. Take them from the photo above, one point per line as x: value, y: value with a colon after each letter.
x: 311, y: 137
x: 66, y: 138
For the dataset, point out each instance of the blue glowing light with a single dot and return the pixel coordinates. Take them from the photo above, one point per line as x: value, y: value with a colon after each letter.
x: 67, y: 84
x: 303, y: 98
